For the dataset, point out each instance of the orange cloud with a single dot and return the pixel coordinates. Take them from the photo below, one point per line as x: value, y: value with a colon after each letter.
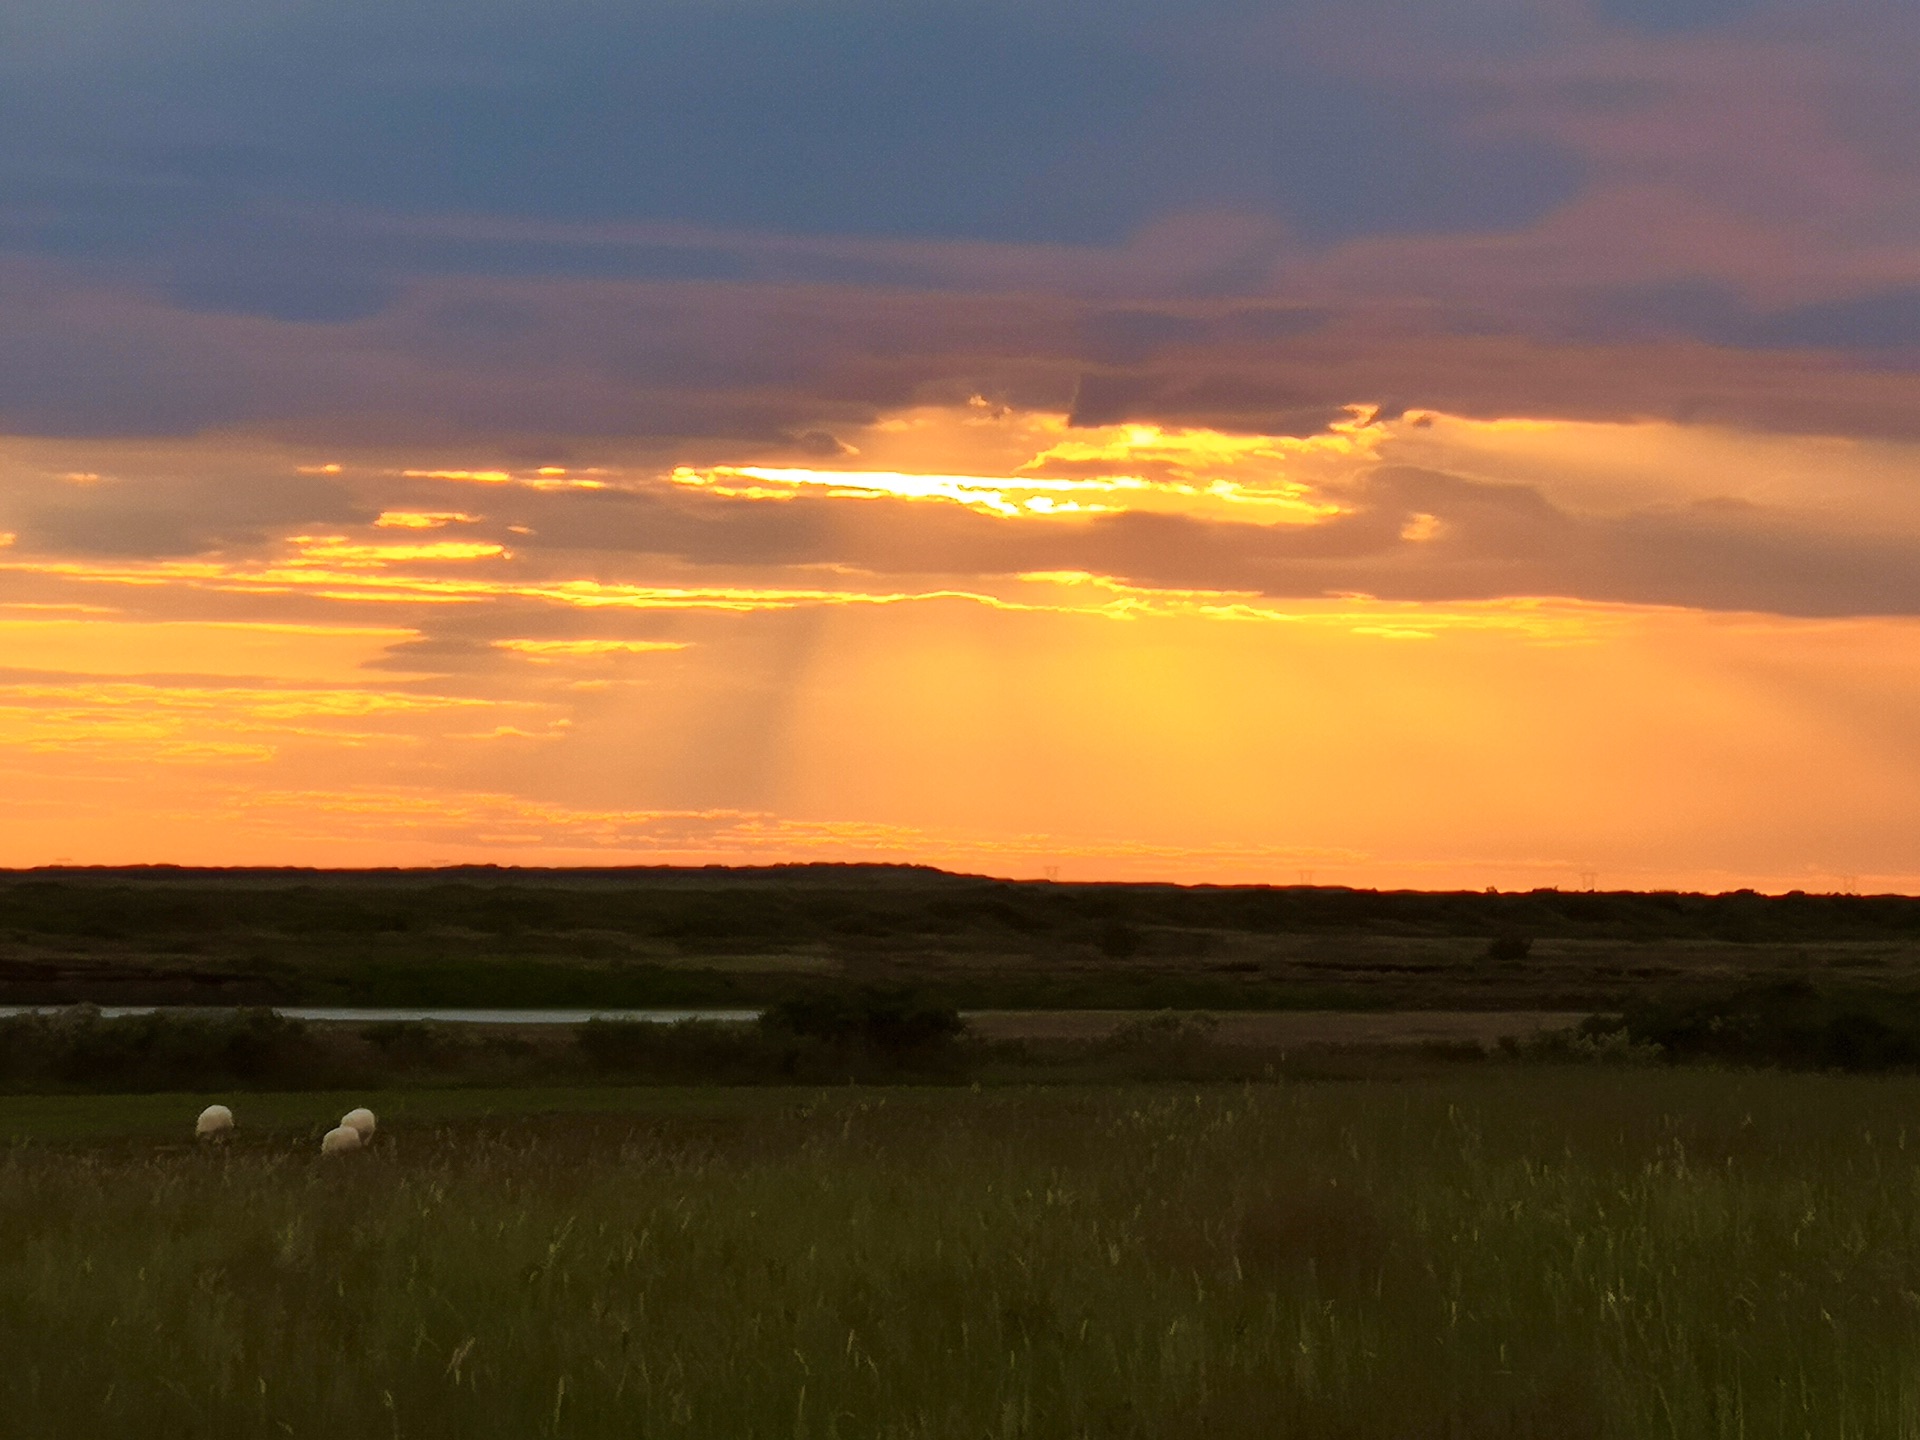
x: 985, y: 494
x: 130, y: 723
x: 547, y: 477
x: 104, y: 641
x: 340, y: 548
x: 585, y: 649
x: 1036, y: 463
x: 1264, y: 653
x: 423, y: 519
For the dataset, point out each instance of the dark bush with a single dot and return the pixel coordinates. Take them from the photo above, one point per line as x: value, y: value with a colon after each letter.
x: 869, y: 1037
x: 1793, y: 1024
x: 81, y: 1048
x: 1509, y: 949
x: 693, y: 1050
x: 411, y: 1042
x: 880, y: 1021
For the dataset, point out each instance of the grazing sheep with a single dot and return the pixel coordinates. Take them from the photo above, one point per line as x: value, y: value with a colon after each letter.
x: 361, y: 1120
x: 339, y: 1140
x: 214, y: 1123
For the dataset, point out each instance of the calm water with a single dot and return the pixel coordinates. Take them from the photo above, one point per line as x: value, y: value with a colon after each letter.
x: 465, y: 1017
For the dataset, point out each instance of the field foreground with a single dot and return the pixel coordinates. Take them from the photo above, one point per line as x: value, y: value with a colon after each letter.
x: 1540, y: 1252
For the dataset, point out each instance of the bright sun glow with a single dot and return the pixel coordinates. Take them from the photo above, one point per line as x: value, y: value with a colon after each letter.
x: 1052, y: 470
x: 882, y: 682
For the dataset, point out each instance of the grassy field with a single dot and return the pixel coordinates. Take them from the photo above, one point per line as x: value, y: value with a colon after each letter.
x: 1523, y: 1251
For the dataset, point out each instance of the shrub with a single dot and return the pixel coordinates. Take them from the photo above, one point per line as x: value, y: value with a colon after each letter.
x: 698, y: 1050
x: 1509, y: 948
x: 1793, y: 1024
x: 1591, y: 1040
x: 81, y: 1048
x: 879, y: 1021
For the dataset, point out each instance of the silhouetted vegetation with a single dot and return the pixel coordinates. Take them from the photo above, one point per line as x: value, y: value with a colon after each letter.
x: 797, y: 905
x: 793, y: 934
x: 79, y: 1049
x: 874, y: 1020
x: 871, y: 1034
x: 1509, y: 949
x: 867, y: 1035
x: 1793, y: 1024
x: 870, y: 1037
x: 879, y: 1035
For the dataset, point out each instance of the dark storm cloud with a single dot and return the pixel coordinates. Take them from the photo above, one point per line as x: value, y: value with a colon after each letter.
x: 1881, y: 320
x: 543, y: 366
x: 1217, y: 398
x: 544, y: 224
x: 972, y: 119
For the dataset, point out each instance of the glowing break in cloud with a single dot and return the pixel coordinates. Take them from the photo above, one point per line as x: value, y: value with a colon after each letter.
x: 1066, y: 471
x: 1413, y: 649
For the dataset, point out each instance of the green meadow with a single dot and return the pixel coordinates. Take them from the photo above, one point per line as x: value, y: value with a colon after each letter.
x: 1515, y: 1250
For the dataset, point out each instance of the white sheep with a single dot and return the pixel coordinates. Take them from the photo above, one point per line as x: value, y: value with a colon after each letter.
x: 361, y: 1120
x: 339, y: 1140
x: 214, y: 1123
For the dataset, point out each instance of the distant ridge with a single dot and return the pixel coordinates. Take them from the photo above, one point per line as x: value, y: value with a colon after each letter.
x: 639, y: 936
x: 839, y: 872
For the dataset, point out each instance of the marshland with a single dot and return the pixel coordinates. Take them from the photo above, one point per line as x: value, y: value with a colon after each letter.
x: 1694, y: 1213
x: 1592, y: 1252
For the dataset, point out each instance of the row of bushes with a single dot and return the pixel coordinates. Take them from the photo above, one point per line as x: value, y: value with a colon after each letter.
x: 877, y: 1035
x: 1791, y: 1024
x: 868, y: 1035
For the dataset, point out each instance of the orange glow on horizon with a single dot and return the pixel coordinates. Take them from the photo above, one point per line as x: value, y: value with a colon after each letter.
x: 400, y: 689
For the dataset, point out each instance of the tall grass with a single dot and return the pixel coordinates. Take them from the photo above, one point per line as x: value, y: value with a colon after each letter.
x: 1557, y: 1253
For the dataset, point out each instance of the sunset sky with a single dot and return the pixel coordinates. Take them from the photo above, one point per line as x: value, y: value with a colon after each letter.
x: 1454, y: 444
